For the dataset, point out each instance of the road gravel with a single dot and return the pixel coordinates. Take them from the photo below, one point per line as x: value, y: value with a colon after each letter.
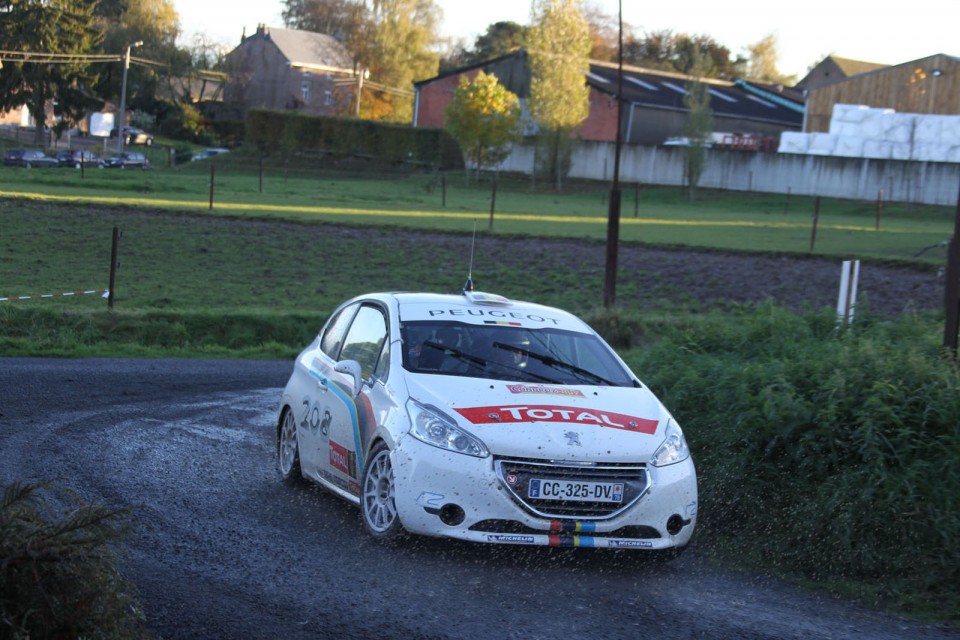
x: 222, y: 549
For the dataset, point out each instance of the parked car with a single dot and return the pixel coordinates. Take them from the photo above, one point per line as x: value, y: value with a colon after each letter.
x: 133, y: 135
x: 28, y: 158
x: 485, y: 419
x: 127, y: 160
x: 77, y: 157
x: 209, y: 153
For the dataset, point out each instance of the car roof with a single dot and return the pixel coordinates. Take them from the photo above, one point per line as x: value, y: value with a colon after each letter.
x: 482, y: 308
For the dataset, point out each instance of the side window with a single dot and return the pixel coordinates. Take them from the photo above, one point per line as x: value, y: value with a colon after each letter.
x: 364, y: 341
x: 333, y: 336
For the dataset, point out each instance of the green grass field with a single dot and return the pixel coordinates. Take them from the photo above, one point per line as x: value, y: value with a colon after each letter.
x: 663, y: 216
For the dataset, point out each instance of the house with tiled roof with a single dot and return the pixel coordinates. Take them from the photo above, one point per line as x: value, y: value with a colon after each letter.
x: 653, y: 102
x: 290, y: 69
x: 835, y: 69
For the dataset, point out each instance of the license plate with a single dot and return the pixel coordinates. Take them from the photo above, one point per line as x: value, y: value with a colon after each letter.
x: 546, y: 489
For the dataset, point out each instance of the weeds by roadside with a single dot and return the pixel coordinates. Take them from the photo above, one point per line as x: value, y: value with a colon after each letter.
x: 59, y: 575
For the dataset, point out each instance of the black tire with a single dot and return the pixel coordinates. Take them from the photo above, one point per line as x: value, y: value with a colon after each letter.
x: 288, y: 449
x: 378, y: 508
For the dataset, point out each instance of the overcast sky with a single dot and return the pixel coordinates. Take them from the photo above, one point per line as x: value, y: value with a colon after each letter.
x: 859, y: 29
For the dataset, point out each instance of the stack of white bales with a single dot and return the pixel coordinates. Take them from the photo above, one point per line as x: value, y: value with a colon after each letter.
x: 857, y: 131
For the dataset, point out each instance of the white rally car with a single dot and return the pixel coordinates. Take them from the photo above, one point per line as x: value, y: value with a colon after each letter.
x: 485, y: 419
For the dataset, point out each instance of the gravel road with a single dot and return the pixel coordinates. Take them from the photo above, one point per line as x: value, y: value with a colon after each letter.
x: 223, y: 549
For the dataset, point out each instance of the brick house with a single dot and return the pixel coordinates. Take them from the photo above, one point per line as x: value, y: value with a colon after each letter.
x: 654, y: 110
x: 290, y: 69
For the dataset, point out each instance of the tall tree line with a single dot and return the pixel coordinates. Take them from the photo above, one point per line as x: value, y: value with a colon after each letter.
x: 81, y: 28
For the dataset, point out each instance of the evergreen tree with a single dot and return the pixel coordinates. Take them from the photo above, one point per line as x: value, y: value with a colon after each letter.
x: 559, y: 46
x: 48, y: 27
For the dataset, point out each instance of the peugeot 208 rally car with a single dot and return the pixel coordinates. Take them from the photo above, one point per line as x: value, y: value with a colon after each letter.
x: 486, y: 419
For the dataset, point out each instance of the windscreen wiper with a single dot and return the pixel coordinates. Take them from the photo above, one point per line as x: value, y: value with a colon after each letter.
x: 552, y: 362
x: 456, y: 353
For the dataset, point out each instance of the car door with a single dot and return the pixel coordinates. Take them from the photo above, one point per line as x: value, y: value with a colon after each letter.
x: 353, y: 422
x: 315, y: 403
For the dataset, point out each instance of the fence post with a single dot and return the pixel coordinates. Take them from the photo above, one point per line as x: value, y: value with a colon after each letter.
x: 212, y: 173
x: 493, y: 200
x: 816, y: 218
x: 114, y: 250
x: 952, y: 288
x: 636, y: 200
x: 879, y: 207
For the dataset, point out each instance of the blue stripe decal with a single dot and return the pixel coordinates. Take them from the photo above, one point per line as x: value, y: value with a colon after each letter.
x: 351, y: 408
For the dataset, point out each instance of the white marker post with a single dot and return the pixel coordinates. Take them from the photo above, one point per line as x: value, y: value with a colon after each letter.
x: 847, y: 300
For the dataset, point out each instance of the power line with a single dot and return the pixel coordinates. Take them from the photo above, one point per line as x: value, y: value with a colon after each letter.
x: 57, y: 58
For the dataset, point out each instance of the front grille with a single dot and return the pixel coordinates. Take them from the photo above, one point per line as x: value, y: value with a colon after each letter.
x: 512, y: 526
x: 515, y: 474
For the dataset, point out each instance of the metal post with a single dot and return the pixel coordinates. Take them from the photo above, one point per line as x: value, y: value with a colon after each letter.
x: 212, y: 175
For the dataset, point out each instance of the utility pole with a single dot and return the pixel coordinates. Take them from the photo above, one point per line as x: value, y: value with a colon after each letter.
x: 613, y: 211
x: 363, y: 72
x: 123, y: 95
x: 952, y: 288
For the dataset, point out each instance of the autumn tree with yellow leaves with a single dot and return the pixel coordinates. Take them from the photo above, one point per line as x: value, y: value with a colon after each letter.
x: 485, y: 118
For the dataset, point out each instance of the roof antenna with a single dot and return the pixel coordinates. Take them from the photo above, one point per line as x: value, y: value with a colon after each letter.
x: 468, y: 285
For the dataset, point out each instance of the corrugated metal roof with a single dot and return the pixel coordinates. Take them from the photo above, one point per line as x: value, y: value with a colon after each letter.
x: 659, y: 89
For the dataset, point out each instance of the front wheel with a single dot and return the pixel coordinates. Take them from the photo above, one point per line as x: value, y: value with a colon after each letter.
x: 377, y: 502
x: 288, y: 450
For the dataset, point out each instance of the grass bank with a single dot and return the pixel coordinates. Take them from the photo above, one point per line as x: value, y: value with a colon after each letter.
x: 831, y: 458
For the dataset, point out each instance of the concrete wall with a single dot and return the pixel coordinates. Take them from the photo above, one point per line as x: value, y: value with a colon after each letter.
x: 852, y: 178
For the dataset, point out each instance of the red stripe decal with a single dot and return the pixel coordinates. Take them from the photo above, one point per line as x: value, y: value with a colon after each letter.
x: 554, y: 413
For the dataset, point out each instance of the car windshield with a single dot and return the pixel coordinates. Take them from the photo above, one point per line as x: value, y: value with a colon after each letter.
x: 546, y: 355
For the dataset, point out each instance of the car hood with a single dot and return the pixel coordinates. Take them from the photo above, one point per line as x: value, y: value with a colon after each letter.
x: 559, y: 422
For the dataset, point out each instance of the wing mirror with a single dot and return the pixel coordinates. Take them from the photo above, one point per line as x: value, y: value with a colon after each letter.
x: 351, y: 368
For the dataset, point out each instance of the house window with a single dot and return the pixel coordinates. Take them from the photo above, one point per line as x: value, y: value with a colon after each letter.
x: 327, y: 98
x: 305, y: 91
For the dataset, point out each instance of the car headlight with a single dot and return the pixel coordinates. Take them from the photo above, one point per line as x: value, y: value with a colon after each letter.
x: 674, y: 448
x: 433, y: 427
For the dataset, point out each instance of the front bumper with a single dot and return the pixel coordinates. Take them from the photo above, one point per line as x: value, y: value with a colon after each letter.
x: 441, y: 493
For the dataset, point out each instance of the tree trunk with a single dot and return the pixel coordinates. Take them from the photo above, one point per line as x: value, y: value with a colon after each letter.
x: 39, y: 118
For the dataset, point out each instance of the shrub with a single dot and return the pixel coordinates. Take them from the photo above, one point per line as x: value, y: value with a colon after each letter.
x: 58, y: 573
x: 823, y: 453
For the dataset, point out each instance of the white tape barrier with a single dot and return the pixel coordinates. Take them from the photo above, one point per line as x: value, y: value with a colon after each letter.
x: 105, y: 292
x: 847, y: 300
